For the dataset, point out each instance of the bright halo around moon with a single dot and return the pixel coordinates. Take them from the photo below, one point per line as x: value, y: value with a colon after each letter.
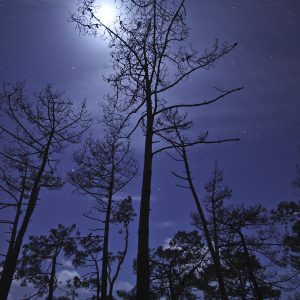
x: 106, y: 13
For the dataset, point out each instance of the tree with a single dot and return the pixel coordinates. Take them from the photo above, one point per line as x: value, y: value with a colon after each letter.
x: 177, y: 140
x: 37, y: 131
x: 175, y: 269
x: 286, y: 216
x: 149, y: 58
x: 238, y: 234
x: 123, y: 214
x: 104, y: 167
x: 296, y: 182
x: 89, y: 256
x: 40, y: 259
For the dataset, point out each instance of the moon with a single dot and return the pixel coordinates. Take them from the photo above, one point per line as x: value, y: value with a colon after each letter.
x: 106, y: 13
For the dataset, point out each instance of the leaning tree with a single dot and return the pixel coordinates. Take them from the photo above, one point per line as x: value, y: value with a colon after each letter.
x: 150, y: 55
x: 34, y: 132
x: 177, y: 138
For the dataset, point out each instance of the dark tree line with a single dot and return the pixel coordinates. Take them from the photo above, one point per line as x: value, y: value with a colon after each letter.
x: 257, y: 258
x: 42, y: 256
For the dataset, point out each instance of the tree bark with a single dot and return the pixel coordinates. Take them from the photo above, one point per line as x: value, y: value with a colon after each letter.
x: 104, y: 273
x: 257, y: 289
x: 52, y: 278
x: 111, y: 287
x: 143, y: 272
x: 105, y: 253
x: 217, y: 264
x: 11, y: 259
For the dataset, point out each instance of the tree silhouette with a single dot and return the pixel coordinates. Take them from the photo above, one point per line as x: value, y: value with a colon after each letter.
x: 175, y: 269
x: 39, y: 261
x: 175, y: 136
x: 38, y: 130
x: 104, y: 168
x: 296, y: 182
x: 88, y: 259
x: 123, y: 214
x: 149, y: 57
x: 245, y: 234
x: 287, y: 218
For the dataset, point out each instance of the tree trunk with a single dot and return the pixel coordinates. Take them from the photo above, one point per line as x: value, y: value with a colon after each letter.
x: 171, y: 287
x: 111, y: 287
x: 17, y: 217
x: 252, y: 277
x: 11, y: 259
x: 143, y: 272
x: 98, y: 286
x: 52, y: 278
x: 105, y: 252
x: 217, y: 264
x: 104, y: 273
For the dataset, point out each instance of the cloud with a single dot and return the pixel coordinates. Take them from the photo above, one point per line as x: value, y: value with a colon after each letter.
x: 65, y: 275
x: 164, y: 224
x: 67, y: 264
x: 37, y: 1
x: 166, y: 243
x: 136, y: 198
x: 123, y: 286
x: 43, y: 2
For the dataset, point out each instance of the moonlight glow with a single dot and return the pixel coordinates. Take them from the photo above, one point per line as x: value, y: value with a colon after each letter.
x: 106, y: 13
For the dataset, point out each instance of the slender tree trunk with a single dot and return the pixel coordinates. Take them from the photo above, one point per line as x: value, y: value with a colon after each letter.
x: 98, y: 292
x: 13, y: 253
x: 105, y: 252
x: 257, y: 289
x: 17, y: 218
x: 217, y: 264
x: 111, y: 287
x: 143, y: 272
x: 98, y: 286
x: 104, y: 273
x: 215, y: 233
x: 11, y: 259
x: 171, y: 287
x: 52, y: 278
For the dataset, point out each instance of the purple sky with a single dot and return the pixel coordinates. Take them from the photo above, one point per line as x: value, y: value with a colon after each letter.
x: 37, y: 43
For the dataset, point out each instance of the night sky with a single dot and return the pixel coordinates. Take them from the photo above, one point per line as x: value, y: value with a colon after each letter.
x: 39, y: 43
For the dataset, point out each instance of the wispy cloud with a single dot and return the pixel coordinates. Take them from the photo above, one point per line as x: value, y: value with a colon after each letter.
x: 166, y: 243
x: 123, y: 286
x: 164, y: 224
x: 65, y: 275
x: 67, y: 264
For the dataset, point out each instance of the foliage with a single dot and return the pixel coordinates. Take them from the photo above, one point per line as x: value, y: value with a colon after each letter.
x: 39, y: 262
x: 36, y: 131
x: 175, y: 268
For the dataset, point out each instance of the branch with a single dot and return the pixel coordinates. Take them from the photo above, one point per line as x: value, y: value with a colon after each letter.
x: 178, y: 176
x: 196, y: 143
x: 207, y: 102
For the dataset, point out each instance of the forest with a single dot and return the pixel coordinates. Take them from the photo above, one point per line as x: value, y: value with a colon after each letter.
x: 228, y: 249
